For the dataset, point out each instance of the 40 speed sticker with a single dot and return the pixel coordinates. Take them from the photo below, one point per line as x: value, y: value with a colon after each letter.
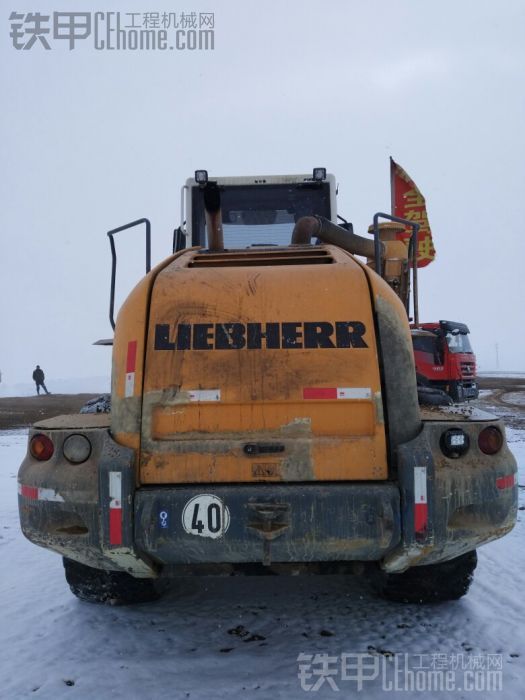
x: 206, y: 515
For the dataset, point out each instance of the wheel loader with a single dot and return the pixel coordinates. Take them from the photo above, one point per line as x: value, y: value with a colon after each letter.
x: 265, y: 415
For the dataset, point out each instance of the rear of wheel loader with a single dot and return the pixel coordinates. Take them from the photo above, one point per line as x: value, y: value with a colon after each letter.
x: 265, y: 414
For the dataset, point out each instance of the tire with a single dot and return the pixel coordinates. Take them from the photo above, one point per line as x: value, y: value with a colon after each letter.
x: 109, y: 587
x: 428, y: 396
x: 433, y: 583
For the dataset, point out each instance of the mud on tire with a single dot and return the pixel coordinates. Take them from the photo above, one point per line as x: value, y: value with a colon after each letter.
x: 432, y: 583
x: 109, y: 587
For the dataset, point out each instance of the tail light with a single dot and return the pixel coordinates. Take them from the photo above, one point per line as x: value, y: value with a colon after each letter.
x: 490, y: 440
x: 41, y: 447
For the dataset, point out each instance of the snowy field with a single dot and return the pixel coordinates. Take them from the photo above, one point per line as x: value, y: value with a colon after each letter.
x: 241, y: 637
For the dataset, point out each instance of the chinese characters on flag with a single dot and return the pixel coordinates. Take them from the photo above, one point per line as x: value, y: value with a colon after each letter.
x: 409, y: 203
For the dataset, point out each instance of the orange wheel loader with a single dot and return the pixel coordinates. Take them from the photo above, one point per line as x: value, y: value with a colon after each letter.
x: 265, y: 416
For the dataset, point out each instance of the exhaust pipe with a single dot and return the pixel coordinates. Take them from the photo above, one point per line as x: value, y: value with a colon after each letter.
x: 308, y: 227
x: 212, y: 207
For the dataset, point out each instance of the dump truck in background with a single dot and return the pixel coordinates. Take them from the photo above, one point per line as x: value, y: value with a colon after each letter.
x: 445, y: 359
x: 265, y: 416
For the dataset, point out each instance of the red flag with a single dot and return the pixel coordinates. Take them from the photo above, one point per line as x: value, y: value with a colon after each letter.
x: 409, y: 203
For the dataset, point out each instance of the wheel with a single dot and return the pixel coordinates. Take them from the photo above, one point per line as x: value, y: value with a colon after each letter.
x: 428, y: 396
x: 448, y: 580
x: 109, y: 587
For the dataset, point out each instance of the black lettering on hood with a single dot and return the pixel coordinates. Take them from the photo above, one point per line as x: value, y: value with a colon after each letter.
x: 256, y: 336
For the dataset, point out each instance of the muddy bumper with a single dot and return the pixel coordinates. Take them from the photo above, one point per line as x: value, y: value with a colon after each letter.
x: 435, y: 509
x: 470, y: 390
x: 82, y: 511
x: 267, y: 523
x: 451, y: 506
x: 93, y: 513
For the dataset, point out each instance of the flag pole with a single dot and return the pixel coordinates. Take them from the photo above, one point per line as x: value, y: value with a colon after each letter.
x: 392, y: 187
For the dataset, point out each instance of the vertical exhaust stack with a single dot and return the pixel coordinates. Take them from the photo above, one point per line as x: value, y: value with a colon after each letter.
x: 212, y: 206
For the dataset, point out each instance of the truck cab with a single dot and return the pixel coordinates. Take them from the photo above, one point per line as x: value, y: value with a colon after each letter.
x: 445, y: 359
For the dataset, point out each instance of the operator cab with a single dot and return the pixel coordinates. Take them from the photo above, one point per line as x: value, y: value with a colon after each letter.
x: 260, y: 210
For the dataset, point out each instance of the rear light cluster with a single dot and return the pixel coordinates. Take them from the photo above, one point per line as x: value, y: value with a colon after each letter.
x: 41, y: 447
x: 76, y: 448
x: 490, y: 440
x: 455, y: 442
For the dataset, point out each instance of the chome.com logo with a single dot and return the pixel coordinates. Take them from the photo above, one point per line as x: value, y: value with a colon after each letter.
x: 423, y: 673
x: 114, y: 31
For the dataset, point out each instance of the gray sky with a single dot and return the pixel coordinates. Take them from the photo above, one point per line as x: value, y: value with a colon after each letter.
x: 94, y: 139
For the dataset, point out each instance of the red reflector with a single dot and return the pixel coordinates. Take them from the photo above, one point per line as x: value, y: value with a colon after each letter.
x: 131, y: 358
x: 29, y: 492
x: 115, y: 525
x: 41, y: 447
x: 322, y: 393
x: 420, y: 517
x: 490, y: 440
x: 506, y: 482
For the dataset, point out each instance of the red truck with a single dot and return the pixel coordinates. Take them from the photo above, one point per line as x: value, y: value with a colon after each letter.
x: 445, y: 359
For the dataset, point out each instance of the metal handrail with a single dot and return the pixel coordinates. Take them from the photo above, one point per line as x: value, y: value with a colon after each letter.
x: 114, y: 259
x: 412, y: 248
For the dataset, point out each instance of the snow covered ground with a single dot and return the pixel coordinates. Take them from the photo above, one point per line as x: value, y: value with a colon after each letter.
x: 217, y: 638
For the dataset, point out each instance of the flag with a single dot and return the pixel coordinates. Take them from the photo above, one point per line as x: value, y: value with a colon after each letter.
x: 409, y: 203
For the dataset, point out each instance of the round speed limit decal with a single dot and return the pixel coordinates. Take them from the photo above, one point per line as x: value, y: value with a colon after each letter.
x: 206, y: 515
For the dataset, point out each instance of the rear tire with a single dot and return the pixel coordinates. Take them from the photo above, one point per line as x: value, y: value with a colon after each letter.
x: 433, y: 583
x: 109, y: 587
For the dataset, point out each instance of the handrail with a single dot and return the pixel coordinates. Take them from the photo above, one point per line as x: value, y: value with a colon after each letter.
x: 412, y: 248
x: 114, y: 259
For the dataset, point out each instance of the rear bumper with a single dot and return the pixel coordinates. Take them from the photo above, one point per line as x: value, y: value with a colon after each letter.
x: 436, y: 509
x: 451, y: 506
x: 75, y: 510
x: 459, y: 390
x: 268, y: 523
x: 470, y: 390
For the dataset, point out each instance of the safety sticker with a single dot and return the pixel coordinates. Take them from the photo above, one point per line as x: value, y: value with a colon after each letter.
x: 507, y: 482
x: 206, y: 515
x: 131, y: 361
x: 420, y: 499
x: 164, y: 519
x: 115, y: 508
x: 340, y: 392
x: 204, y: 394
x: 35, y: 493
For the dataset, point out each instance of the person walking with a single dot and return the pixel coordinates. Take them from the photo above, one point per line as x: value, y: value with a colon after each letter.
x: 38, y: 378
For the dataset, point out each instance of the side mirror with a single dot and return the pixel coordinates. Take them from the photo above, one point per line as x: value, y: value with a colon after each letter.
x: 179, y: 240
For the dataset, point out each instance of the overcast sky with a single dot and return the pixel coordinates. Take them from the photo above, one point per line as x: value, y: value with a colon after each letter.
x: 92, y: 139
